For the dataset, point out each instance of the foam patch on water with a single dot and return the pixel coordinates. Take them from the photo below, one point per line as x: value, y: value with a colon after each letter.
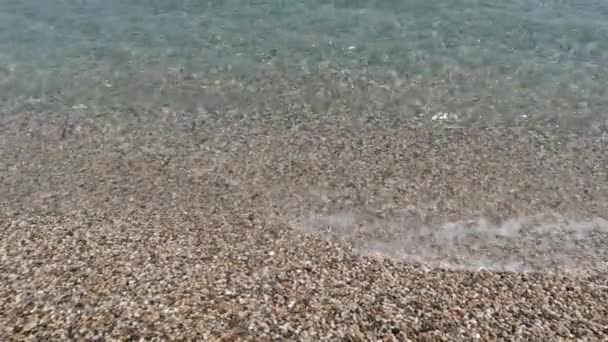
x: 525, y: 244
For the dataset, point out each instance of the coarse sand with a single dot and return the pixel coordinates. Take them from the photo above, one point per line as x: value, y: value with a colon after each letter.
x: 329, y: 228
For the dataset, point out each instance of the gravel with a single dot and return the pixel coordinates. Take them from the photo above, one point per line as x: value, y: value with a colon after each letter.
x: 258, y: 225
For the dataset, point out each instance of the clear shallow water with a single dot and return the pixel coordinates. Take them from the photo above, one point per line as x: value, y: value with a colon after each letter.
x: 457, y: 60
x: 530, y: 58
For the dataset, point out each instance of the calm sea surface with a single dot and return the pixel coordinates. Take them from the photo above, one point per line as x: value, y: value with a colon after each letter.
x: 542, y: 60
x: 537, y: 62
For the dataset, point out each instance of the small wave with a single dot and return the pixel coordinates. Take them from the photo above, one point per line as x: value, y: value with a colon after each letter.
x: 543, y: 243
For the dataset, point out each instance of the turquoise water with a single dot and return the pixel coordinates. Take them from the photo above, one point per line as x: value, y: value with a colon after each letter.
x: 461, y: 60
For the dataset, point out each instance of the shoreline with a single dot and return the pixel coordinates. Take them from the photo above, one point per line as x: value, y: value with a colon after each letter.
x: 121, y: 230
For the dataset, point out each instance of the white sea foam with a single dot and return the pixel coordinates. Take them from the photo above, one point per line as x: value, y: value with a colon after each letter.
x: 546, y: 243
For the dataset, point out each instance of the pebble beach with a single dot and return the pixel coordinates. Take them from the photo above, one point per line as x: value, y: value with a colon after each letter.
x: 320, y: 170
x: 276, y: 221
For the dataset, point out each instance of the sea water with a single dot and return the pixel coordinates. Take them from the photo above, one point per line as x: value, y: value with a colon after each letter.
x: 495, y: 60
x: 480, y: 60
